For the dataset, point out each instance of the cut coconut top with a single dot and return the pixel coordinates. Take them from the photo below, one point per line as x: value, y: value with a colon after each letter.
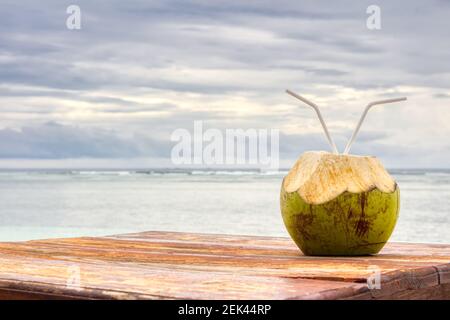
x: 320, y: 176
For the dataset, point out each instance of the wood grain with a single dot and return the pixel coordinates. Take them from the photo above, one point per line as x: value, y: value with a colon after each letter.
x: 168, y: 265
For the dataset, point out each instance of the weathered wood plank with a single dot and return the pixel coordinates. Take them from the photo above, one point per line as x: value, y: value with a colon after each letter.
x: 125, y: 281
x: 181, y: 265
x: 220, y: 257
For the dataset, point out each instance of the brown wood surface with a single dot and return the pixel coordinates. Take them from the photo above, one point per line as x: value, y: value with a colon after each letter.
x: 167, y: 265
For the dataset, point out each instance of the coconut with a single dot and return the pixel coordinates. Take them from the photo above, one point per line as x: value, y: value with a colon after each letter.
x: 335, y: 204
x: 339, y: 204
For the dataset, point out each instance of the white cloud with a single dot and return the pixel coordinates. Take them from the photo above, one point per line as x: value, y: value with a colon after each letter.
x: 143, y: 69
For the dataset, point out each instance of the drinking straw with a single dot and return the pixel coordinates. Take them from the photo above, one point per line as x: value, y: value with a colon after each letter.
x: 363, y: 116
x: 316, y: 108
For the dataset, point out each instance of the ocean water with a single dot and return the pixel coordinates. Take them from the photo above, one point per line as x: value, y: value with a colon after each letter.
x: 48, y: 204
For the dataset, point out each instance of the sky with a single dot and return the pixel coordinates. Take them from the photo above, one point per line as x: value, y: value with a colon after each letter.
x: 111, y: 93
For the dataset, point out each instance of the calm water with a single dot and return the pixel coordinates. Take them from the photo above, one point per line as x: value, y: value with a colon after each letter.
x: 74, y: 203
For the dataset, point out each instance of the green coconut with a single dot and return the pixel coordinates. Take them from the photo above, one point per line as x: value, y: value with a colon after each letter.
x: 334, y: 204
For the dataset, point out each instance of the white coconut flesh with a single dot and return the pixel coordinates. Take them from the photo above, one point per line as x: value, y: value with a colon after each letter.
x: 320, y: 176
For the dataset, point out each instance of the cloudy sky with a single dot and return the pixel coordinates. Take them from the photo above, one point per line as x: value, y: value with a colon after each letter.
x: 112, y: 93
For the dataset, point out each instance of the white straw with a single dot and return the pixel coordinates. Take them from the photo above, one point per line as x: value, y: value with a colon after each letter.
x: 370, y: 105
x: 324, y: 126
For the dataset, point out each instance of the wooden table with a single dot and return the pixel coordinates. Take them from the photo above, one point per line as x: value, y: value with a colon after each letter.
x: 166, y: 265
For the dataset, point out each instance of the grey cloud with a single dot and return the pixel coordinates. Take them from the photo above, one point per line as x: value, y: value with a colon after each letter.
x: 56, y: 141
x: 124, y: 47
x: 441, y: 95
x: 157, y: 29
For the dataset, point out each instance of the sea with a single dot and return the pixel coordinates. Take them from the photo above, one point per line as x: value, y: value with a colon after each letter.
x: 39, y: 204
